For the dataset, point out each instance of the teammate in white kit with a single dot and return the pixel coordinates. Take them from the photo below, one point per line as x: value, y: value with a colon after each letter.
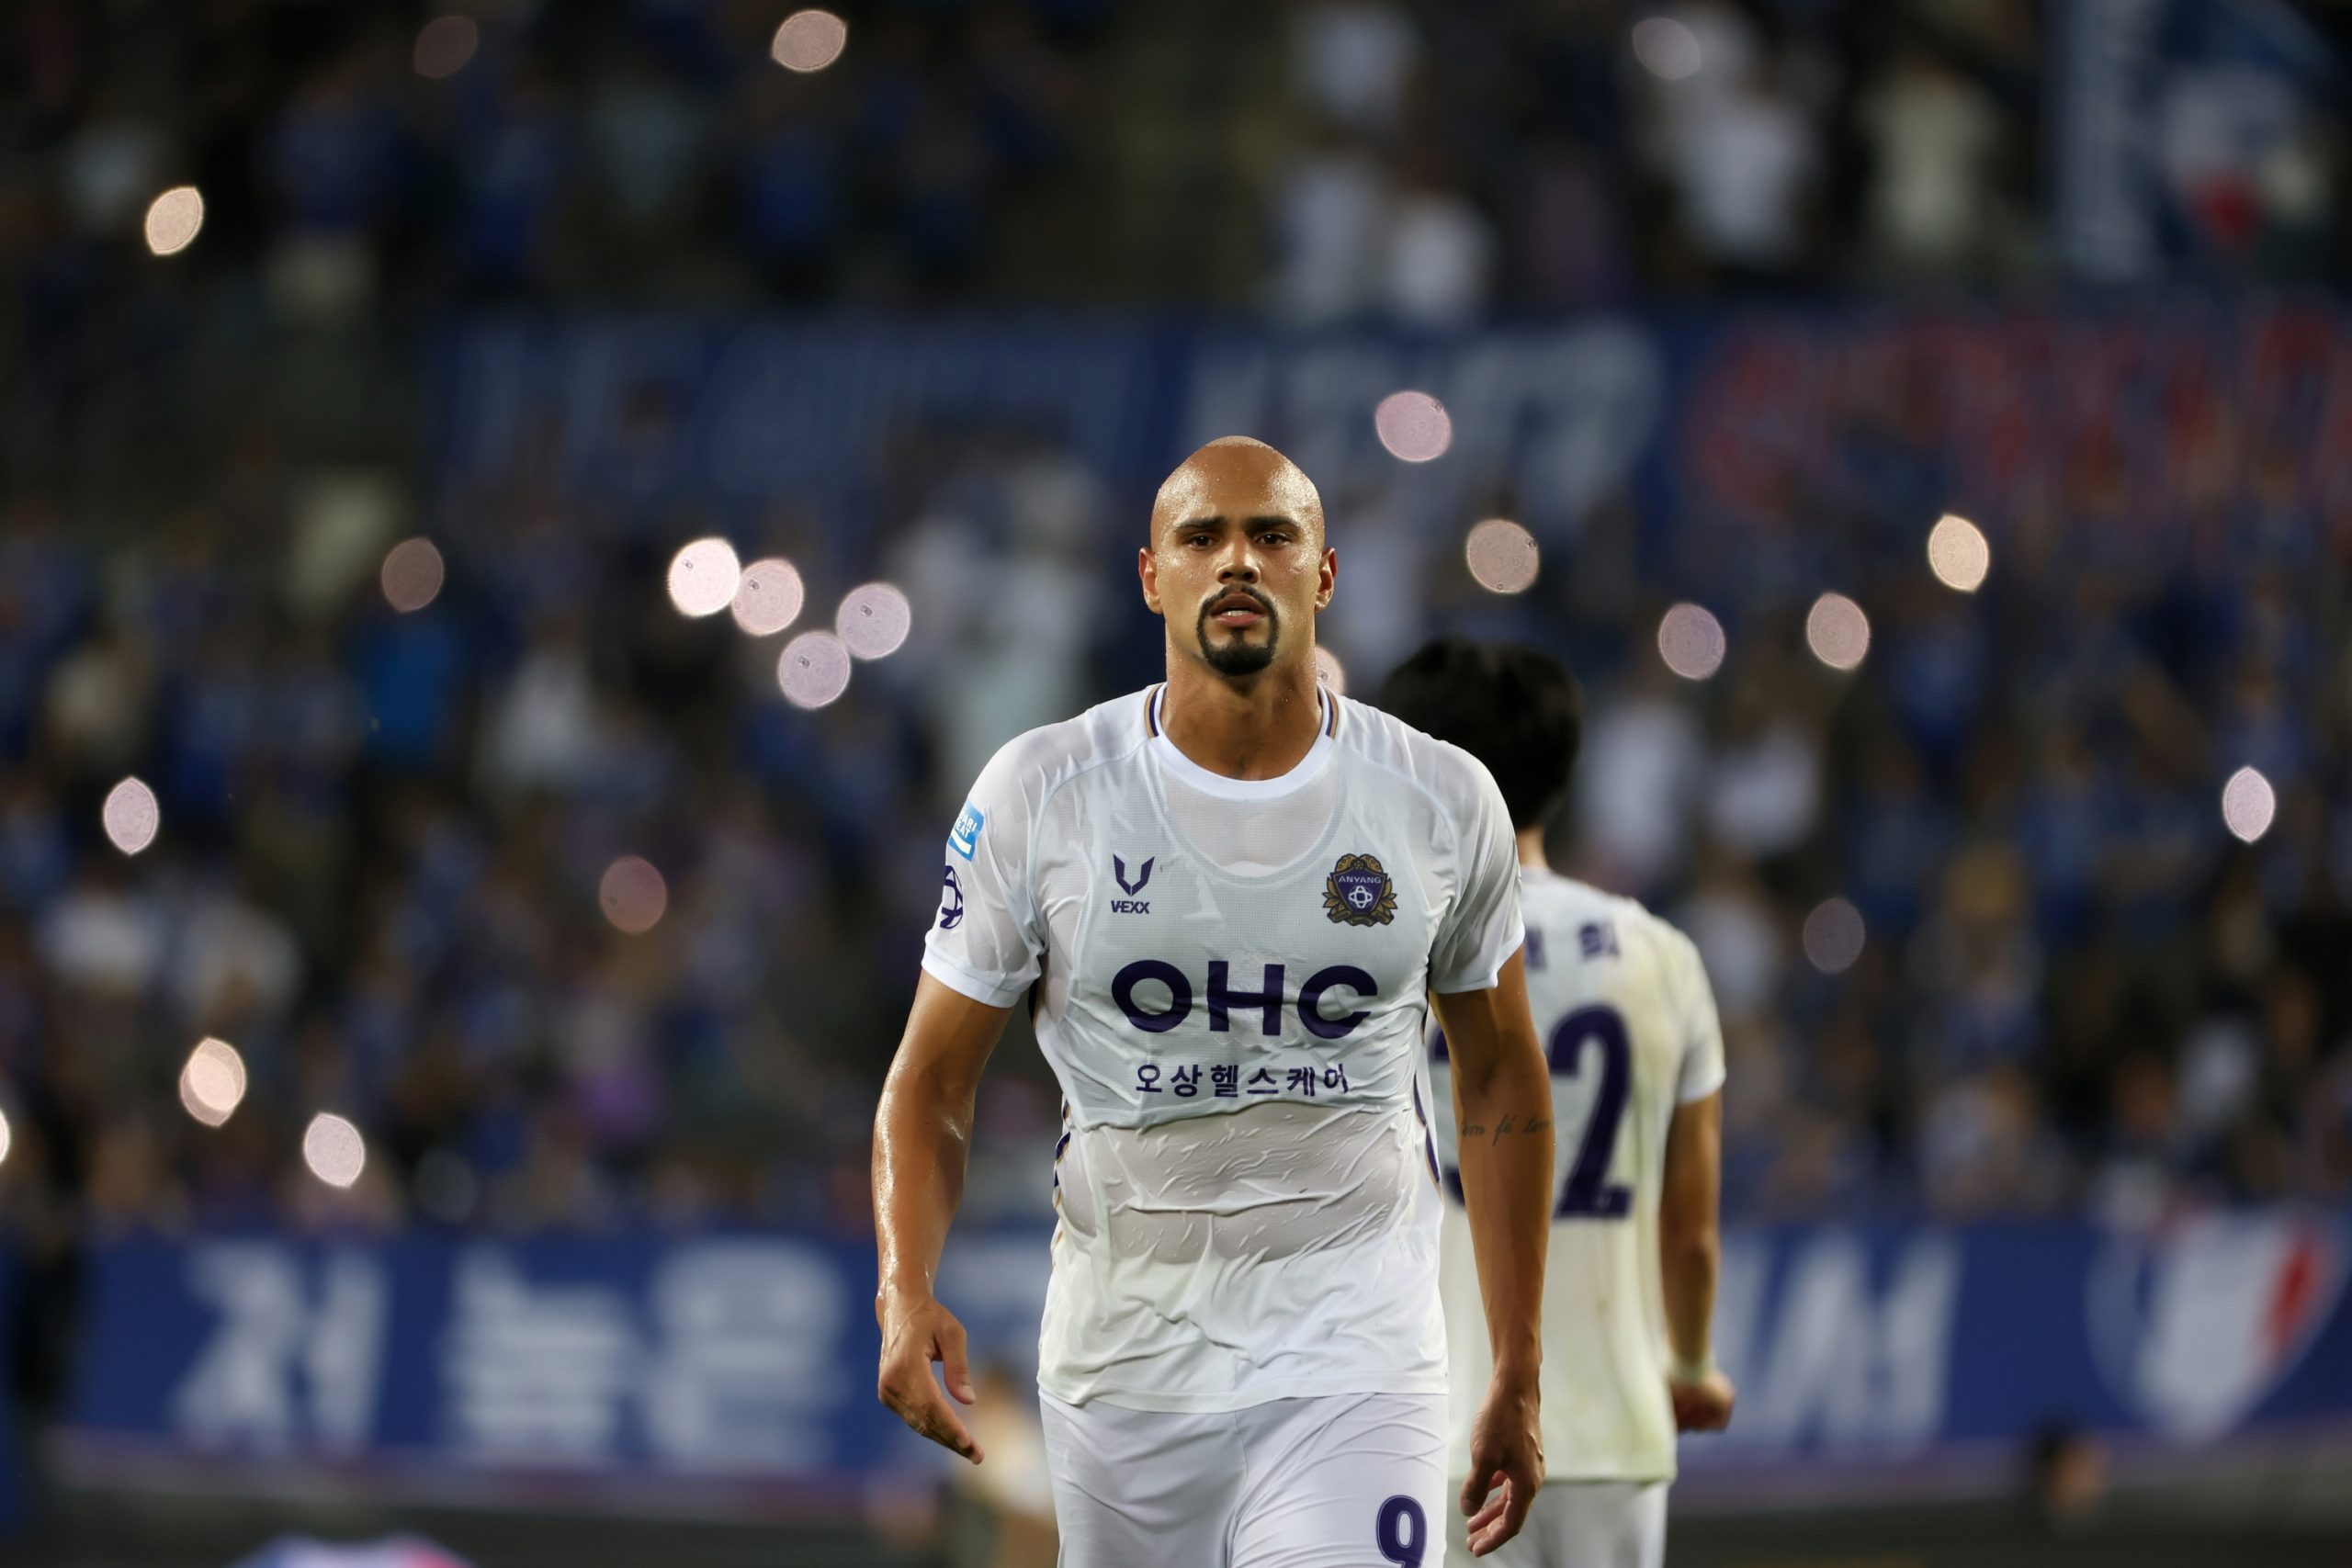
x: 1225, y: 900
x: 1637, y: 1063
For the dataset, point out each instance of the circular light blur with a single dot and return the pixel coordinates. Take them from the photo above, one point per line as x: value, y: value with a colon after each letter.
x: 814, y: 669
x: 1414, y: 426
x: 703, y: 576
x: 633, y: 894
x: 334, y: 1149
x: 131, y: 816
x: 445, y: 44
x: 1838, y: 631
x: 413, y: 575
x: 810, y: 40
x: 2248, y: 803
x: 174, y: 219
x: 1329, y: 670
x: 769, y: 597
x: 4, y: 1136
x: 1958, y: 554
x: 1665, y: 48
x: 1833, y: 936
x: 873, y: 620
x: 1690, y: 641
x: 1502, y: 555
x: 212, y: 1085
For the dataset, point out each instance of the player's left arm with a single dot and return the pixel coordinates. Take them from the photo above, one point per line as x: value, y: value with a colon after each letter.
x: 1502, y: 1099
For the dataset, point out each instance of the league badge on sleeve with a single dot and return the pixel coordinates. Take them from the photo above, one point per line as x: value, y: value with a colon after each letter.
x: 965, y: 837
x: 951, y: 903
x: 1358, y: 893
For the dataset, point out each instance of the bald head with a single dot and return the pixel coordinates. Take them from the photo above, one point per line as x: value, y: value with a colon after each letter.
x: 1236, y: 477
x: 1237, y: 555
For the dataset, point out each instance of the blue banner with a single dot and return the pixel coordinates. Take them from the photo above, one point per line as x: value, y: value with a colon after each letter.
x: 748, y: 1363
x: 1758, y: 429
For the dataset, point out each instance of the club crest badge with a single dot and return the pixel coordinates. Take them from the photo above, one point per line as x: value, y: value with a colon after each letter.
x: 1358, y: 893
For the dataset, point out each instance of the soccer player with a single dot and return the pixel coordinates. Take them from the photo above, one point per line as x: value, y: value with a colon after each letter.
x: 1637, y: 1071
x: 1224, y: 899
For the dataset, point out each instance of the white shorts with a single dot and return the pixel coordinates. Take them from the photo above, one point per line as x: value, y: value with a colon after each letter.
x: 1581, y: 1524
x: 1345, y: 1481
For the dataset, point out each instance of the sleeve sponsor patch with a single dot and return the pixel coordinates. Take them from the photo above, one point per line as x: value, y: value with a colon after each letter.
x: 965, y: 837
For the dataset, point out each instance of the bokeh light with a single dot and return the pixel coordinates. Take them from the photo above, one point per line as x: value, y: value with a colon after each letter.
x: 873, y: 620
x: 6, y: 1135
x: 213, y: 1084
x: 703, y: 576
x: 1414, y: 426
x: 174, y: 219
x: 1958, y: 553
x: 633, y: 894
x: 1502, y: 555
x: 1691, y: 640
x: 810, y: 40
x: 131, y: 816
x: 444, y: 45
x: 334, y: 1149
x: 1834, y: 936
x: 1665, y: 48
x: 2249, y: 804
x: 814, y: 669
x: 1330, y: 671
x: 1838, y: 631
x: 769, y: 597
x: 413, y: 575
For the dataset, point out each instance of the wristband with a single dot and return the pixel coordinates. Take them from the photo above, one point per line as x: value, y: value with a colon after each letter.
x: 1687, y: 1372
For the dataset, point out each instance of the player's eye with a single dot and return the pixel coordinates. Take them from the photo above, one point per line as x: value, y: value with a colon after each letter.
x: 1201, y: 540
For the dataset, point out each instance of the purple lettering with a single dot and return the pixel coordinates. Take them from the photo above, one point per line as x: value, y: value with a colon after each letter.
x: 1268, y: 1000
x: 1311, y: 1000
x: 1179, y: 995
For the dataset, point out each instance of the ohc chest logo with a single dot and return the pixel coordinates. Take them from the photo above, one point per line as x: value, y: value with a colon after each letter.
x: 1269, y: 1000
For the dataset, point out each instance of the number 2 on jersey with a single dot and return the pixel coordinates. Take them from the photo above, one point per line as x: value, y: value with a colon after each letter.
x: 1588, y: 1194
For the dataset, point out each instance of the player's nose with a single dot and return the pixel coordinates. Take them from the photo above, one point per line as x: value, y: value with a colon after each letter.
x: 1238, y: 563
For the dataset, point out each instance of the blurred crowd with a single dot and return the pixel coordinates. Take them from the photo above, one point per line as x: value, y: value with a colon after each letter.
x: 384, y: 833
x: 1322, y: 159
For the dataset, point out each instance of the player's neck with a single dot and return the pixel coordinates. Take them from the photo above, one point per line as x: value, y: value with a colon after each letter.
x: 1257, y: 728
x: 1531, y: 850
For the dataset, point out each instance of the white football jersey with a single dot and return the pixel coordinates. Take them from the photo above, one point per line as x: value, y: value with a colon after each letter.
x: 1628, y: 1021
x: 1229, y: 979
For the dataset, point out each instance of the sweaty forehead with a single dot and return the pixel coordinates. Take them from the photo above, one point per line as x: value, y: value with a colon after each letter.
x: 1236, y: 479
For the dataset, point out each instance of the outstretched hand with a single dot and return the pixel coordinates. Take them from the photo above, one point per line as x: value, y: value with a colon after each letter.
x: 917, y: 1331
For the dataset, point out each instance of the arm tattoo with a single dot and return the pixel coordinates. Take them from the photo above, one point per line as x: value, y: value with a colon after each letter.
x: 1505, y: 1127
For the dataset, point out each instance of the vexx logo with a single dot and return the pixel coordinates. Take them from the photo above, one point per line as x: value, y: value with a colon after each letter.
x: 1130, y: 905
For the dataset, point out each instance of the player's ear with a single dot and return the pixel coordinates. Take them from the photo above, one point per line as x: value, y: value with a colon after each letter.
x: 1326, y: 578
x: 1147, y: 573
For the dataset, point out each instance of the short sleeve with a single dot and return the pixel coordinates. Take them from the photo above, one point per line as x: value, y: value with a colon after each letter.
x: 1702, y: 1073
x: 1483, y: 927
x: 985, y: 940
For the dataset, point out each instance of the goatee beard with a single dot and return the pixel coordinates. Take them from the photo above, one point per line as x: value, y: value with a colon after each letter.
x: 1239, y: 657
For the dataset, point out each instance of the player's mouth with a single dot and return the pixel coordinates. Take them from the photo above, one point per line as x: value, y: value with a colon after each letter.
x: 1239, y: 609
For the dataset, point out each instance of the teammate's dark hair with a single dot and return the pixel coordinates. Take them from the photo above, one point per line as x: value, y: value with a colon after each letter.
x: 1514, y: 709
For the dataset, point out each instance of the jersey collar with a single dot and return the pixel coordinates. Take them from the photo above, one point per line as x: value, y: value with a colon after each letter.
x: 1196, y: 777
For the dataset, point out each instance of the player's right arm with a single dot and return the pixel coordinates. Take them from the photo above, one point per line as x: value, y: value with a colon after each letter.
x: 983, y: 951
x: 923, y: 1135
